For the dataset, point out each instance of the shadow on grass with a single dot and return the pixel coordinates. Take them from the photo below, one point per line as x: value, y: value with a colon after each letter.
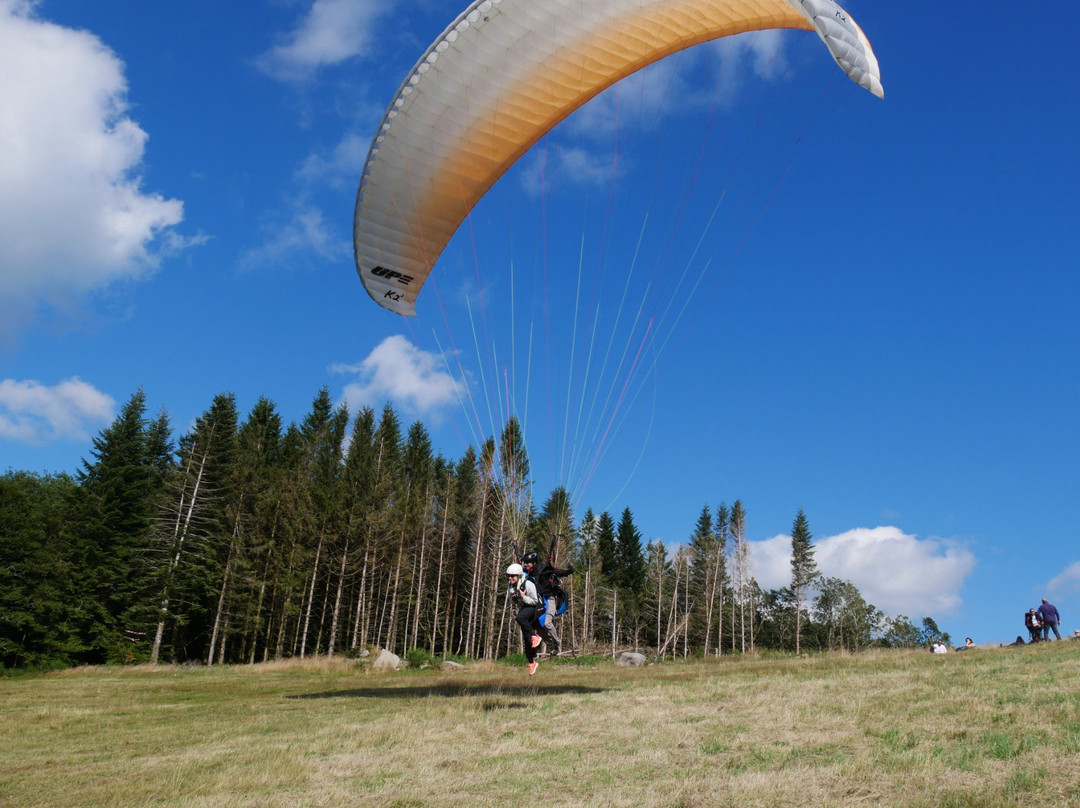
x: 452, y: 690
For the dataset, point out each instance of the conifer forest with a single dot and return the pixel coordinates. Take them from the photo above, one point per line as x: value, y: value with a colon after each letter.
x: 247, y: 539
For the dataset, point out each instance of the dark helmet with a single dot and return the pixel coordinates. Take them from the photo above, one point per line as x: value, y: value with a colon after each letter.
x: 530, y: 558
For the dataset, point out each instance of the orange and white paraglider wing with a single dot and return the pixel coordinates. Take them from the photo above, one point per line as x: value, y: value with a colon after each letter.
x: 499, y: 78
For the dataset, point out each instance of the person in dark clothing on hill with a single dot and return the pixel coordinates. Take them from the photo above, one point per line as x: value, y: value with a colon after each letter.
x: 1048, y: 615
x: 546, y: 578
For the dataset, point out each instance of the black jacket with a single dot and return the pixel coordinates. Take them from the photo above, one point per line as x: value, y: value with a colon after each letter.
x: 547, y: 578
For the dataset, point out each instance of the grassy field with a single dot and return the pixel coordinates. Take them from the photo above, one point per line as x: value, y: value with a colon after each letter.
x: 990, y: 727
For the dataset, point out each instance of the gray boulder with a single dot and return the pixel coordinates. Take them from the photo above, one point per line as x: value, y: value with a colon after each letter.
x: 386, y: 661
x: 629, y: 659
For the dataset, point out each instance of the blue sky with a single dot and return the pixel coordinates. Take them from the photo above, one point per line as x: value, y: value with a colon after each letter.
x: 882, y: 331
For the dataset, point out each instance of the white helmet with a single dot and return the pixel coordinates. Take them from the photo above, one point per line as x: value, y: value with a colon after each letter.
x: 515, y: 569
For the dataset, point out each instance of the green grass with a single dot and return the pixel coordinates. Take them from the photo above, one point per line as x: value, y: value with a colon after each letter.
x: 995, y: 727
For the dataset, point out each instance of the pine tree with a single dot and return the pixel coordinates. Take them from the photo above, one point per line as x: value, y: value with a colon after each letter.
x: 702, y: 564
x: 322, y: 440
x: 605, y: 547
x: 417, y: 531
x: 465, y: 520
x: 359, y: 484
x: 253, y: 517
x: 803, y: 571
x: 551, y: 532
x: 115, y: 511
x: 630, y: 567
x: 720, y: 583
x: 38, y: 617
x: 191, y: 539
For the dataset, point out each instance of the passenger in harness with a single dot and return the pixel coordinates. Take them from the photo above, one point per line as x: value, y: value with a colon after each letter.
x: 546, y: 578
x: 522, y: 593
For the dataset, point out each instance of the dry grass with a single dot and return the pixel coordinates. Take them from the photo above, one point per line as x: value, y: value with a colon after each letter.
x: 992, y: 727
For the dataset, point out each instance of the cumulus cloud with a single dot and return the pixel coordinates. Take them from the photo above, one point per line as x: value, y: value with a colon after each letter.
x: 400, y: 372
x: 762, y: 53
x: 344, y: 163
x: 1067, y: 582
x: 74, y: 217
x: 569, y: 166
x: 304, y: 233
x: 31, y: 412
x: 332, y: 31
x: 896, y: 572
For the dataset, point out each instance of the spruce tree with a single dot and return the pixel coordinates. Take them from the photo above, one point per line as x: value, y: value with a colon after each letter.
x: 631, y: 556
x: 605, y: 547
x: 192, y: 538
x: 702, y: 566
x: 38, y: 616
x: 115, y: 513
x: 803, y: 570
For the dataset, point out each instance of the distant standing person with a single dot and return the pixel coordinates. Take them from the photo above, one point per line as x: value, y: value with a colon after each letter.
x: 1033, y: 625
x: 1050, y: 618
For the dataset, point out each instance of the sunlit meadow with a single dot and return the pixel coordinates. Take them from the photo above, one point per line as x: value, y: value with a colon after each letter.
x: 988, y: 727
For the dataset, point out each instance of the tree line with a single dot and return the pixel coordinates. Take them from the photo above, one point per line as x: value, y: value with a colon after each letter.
x: 249, y: 540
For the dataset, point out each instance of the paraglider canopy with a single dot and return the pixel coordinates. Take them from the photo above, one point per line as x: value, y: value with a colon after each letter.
x: 500, y: 77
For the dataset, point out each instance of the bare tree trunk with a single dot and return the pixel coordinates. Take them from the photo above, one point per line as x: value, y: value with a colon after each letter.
x: 215, y: 632
x: 364, y: 599
x: 493, y: 588
x: 282, y: 625
x: 478, y: 558
x: 180, y: 534
x: 258, y: 616
x: 419, y: 578
x: 751, y: 600
x: 439, y: 577
x: 234, y: 543
x: 720, y: 624
x: 686, y: 611
x: 798, y: 619
x: 310, y: 598
x: 672, y: 631
x: 337, y: 600
x: 659, y: 600
x: 391, y: 629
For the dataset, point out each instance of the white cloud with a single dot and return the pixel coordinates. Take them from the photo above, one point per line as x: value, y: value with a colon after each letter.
x: 896, y: 572
x: 333, y: 31
x: 1067, y: 582
x: 762, y: 50
x: 572, y: 167
x: 74, y: 217
x: 306, y: 232
x: 31, y: 412
x: 345, y: 163
x: 400, y: 372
